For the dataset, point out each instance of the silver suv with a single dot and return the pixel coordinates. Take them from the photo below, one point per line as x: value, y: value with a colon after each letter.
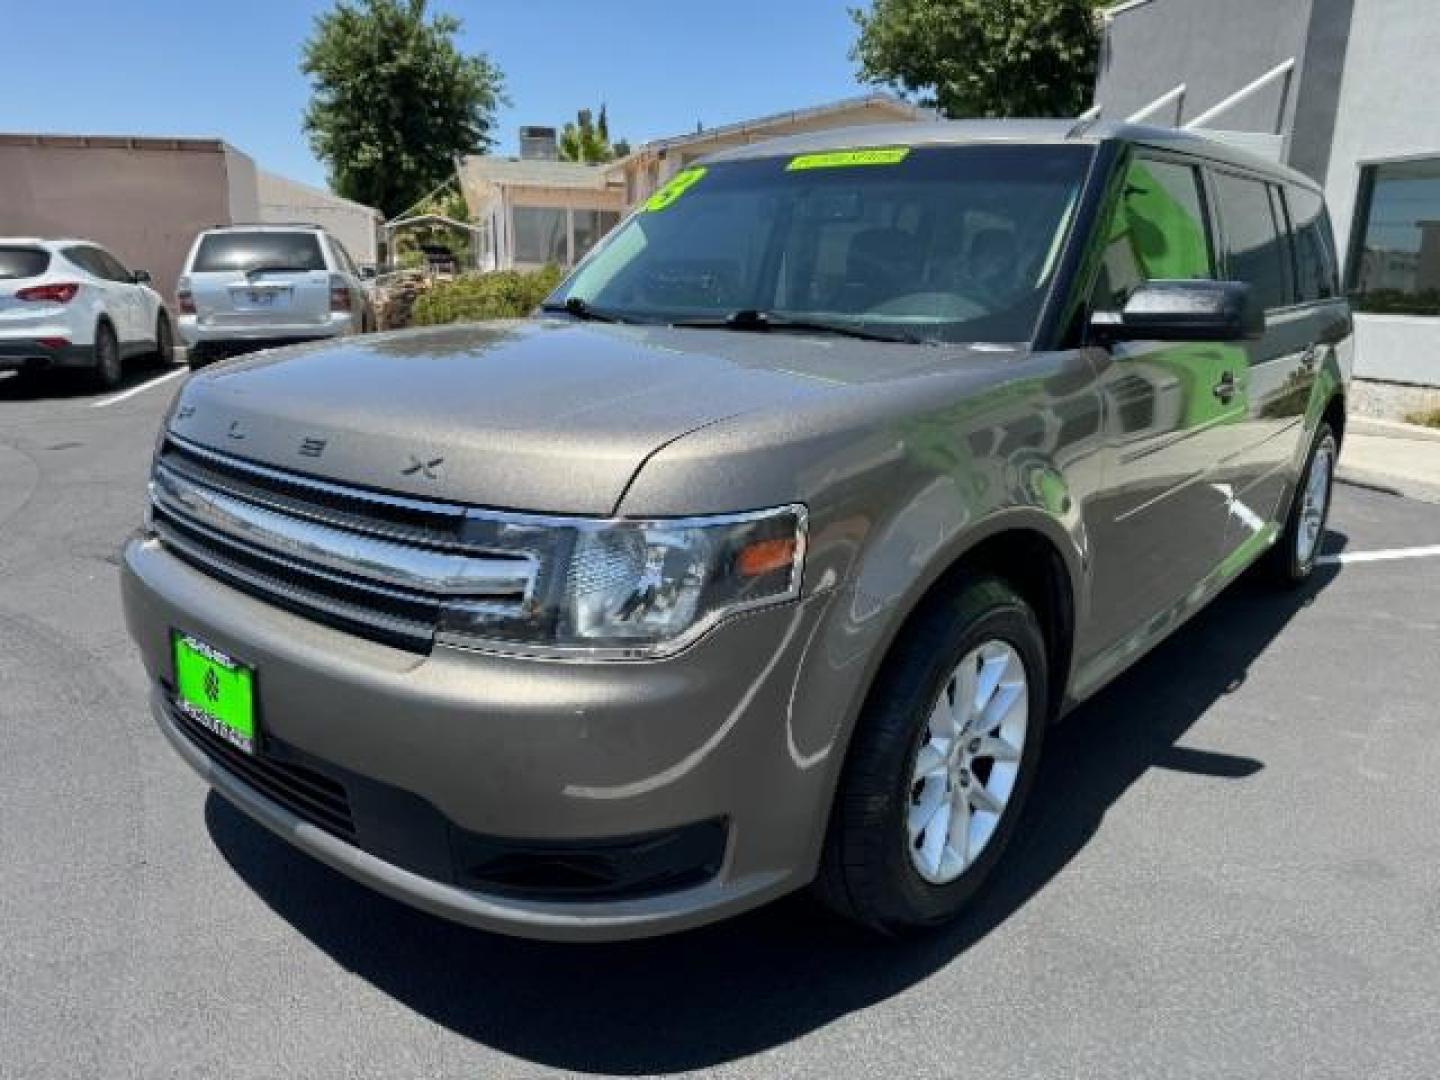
x: 253, y: 286
x: 768, y: 552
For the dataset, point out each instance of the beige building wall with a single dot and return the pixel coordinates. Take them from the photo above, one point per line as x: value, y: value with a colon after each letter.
x: 353, y: 224
x: 143, y: 199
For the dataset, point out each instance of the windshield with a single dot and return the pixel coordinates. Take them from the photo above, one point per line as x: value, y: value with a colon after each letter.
x: 936, y: 244
x: 247, y: 250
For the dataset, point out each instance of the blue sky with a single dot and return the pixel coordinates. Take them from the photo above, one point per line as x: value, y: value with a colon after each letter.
x: 230, y: 69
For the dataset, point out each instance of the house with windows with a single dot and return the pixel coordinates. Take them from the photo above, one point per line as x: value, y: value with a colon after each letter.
x: 652, y: 164
x: 536, y: 209
x: 533, y: 210
x: 1335, y: 89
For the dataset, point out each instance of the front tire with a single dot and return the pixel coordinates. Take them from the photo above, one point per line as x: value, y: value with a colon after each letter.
x: 109, y: 368
x: 943, y: 758
x: 164, y: 342
x: 1292, y: 559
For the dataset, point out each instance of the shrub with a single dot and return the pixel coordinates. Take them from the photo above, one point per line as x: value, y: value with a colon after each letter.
x: 507, y: 294
x: 1428, y: 417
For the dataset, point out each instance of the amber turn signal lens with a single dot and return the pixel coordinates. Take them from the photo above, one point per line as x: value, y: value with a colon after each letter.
x: 766, y: 556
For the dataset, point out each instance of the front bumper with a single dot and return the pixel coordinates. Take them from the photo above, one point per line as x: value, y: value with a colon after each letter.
x: 544, y: 754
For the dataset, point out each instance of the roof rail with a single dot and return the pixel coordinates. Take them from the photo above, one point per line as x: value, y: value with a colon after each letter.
x: 268, y: 225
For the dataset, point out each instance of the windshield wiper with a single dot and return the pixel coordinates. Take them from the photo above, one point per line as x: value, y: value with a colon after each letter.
x: 752, y: 319
x: 582, y: 310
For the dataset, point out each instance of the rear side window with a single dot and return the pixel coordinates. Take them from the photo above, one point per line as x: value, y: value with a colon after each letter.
x: 88, y: 259
x: 297, y: 251
x: 1256, y: 247
x: 1317, y: 272
x: 1157, y: 232
x: 23, y: 262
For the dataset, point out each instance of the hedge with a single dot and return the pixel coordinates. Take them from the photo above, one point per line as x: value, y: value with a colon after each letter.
x: 507, y: 294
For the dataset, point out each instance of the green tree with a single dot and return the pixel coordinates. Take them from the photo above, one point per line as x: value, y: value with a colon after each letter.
x: 992, y: 58
x: 588, y: 139
x: 394, y: 101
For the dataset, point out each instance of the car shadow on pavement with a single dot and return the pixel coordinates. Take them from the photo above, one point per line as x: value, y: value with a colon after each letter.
x: 713, y: 995
x: 66, y: 385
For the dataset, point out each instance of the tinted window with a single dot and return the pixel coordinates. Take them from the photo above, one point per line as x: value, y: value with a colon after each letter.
x: 343, y: 259
x: 110, y: 266
x: 298, y: 251
x: 954, y: 243
x: 1256, y: 247
x: 1395, y: 257
x: 88, y: 259
x: 1316, y: 277
x: 1157, y: 232
x: 23, y: 262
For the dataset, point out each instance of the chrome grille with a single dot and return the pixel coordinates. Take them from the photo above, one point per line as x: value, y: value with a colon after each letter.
x: 370, y: 563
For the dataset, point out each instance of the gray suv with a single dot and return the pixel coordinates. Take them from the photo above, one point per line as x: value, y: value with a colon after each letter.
x: 765, y: 555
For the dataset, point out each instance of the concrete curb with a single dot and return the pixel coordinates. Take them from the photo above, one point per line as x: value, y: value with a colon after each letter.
x: 1392, y: 429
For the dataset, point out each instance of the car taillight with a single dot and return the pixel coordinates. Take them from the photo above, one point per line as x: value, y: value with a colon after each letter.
x: 51, y: 294
x: 186, y: 300
x: 339, y: 296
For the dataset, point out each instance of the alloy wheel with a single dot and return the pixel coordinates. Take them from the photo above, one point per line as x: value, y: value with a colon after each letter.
x: 1315, y: 502
x: 968, y: 762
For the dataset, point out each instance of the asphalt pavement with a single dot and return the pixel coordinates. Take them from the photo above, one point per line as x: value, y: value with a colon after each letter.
x: 1231, y: 867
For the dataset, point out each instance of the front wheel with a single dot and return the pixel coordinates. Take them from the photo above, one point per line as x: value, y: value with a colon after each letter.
x: 164, y: 343
x: 942, y: 761
x: 1292, y: 559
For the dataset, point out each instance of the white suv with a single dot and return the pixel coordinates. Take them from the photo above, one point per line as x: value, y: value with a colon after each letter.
x: 248, y: 286
x: 71, y: 304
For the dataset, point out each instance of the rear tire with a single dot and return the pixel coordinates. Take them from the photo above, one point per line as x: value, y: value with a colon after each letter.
x: 890, y: 863
x: 1292, y: 560
x: 109, y: 368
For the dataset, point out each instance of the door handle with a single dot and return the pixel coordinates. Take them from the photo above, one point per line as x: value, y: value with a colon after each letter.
x: 1225, y: 388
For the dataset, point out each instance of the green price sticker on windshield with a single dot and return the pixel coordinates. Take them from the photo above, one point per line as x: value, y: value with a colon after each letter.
x: 677, y: 185
x: 848, y: 159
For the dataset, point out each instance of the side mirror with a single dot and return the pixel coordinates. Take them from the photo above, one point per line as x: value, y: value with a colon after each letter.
x: 1183, y: 311
x: 141, y: 277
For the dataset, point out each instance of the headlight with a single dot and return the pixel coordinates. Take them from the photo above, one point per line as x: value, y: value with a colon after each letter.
x: 636, y: 589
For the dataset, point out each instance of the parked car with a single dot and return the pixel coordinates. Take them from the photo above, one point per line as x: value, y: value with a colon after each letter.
x: 255, y: 286
x: 769, y: 551
x: 72, y: 304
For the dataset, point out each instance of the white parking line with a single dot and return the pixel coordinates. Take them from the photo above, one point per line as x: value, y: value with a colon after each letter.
x: 1385, y: 555
x: 126, y: 395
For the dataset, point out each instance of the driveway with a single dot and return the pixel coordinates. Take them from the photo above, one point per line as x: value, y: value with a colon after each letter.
x: 1232, y: 866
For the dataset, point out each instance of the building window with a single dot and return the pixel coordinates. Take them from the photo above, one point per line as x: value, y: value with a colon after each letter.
x: 590, y: 227
x: 541, y: 236
x: 1395, y: 249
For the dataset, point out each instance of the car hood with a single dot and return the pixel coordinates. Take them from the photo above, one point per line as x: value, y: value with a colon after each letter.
x: 547, y: 416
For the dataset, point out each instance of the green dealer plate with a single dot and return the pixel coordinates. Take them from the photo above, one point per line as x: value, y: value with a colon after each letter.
x: 215, y: 691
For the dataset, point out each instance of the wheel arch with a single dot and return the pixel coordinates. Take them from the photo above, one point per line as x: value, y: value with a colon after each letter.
x: 1035, y: 556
